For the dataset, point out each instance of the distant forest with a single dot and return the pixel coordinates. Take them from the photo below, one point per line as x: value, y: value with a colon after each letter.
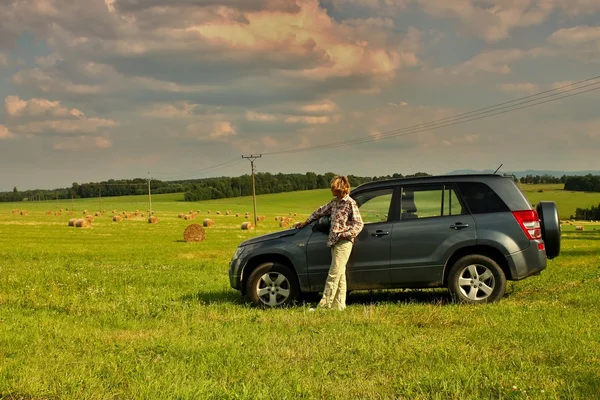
x: 196, y: 189
x: 225, y: 187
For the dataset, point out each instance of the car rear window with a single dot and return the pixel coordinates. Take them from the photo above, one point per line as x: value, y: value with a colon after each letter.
x: 480, y: 198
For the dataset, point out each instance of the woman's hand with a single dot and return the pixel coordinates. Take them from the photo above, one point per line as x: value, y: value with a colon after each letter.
x: 299, y: 225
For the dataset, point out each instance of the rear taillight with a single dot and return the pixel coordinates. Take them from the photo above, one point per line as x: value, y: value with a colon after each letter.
x: 530, y: 223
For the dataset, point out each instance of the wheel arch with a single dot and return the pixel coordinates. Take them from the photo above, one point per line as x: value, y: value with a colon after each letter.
x: 260, y: 259
x: 487, y: 251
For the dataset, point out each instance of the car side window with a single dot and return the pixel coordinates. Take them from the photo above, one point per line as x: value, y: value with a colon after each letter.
x: 374, y: 206
x: 452, y: 205
x: 428, y: 202
x: 480, y: 198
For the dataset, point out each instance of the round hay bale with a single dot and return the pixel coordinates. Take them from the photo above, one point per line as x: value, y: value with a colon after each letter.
x: 180, y: 215
x: 194, y: 233
x: 247, y: 225
x: 152, y: 220
x: 72, y: 222
x: 284, y: 224
x: 98, y: 214
x: 48, y: 212
x: 218, y: 212
x: 117, y: 218
x: 295, y: 214
x: 187, y: 217
x: 58, y: 213
x: 208, y: 222
x: 208, y: 212
x: 85, y: 211
x: 227, y: 212
x: 237, y: 214
x: 15, y: 211
x: 262, y: 217
x: 276, y: 218
x: 89, y: 219
x: 23, y: 212
x: 81, y: 223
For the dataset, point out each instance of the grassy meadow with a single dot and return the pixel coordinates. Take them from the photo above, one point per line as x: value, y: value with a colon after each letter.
x: 129, y: 310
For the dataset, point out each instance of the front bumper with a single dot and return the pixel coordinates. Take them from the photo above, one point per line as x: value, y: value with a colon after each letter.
x: 235, y: 273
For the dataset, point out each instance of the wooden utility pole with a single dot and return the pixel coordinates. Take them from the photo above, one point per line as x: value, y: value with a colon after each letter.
x: 149, y: 197
x: 252, y: 158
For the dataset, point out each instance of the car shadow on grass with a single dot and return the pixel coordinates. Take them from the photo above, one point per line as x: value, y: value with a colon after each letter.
x: 418, y: 296
x: 414, y: 296
x: 213, y: 297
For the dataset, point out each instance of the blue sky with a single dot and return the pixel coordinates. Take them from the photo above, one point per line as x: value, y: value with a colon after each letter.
x: 101, y: 89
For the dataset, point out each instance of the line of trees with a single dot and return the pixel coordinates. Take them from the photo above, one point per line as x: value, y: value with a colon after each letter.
x: 586, y: 183
x: 536, y: 179
x: 224, y: 187
x: 265, y: 183
x: 587, y: 214
x: 198, y: 189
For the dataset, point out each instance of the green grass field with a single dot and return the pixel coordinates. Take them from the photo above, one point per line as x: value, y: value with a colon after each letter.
x: 129, y: 310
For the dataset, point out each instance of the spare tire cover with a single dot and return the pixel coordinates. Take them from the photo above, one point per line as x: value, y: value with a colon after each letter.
x: 548, y: 213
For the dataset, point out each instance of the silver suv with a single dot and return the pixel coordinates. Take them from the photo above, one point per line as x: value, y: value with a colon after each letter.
x: 470, y: 233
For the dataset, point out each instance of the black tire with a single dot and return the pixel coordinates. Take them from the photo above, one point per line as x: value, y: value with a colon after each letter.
x: 272, y: 285
x: 476, y: 279
x: 550, y: 223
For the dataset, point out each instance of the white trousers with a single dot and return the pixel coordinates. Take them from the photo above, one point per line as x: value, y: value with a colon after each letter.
x: 334, y: 294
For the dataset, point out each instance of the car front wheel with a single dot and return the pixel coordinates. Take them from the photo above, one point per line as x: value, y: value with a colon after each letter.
x: 476, y: 279
x: 272, y: 285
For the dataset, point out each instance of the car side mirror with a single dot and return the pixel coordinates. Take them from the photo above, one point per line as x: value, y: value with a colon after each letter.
x: 322, y: 225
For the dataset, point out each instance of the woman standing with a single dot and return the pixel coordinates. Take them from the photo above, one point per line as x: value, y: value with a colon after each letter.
x: 346, y: 224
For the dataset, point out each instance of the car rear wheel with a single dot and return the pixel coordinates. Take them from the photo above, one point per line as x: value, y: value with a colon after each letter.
x: 476, y: 279
x: 550, y: 224
x: 272, y: 285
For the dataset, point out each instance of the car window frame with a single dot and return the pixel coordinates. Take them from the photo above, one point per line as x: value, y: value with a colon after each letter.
x: 435, y: 186
x: 393, y: 210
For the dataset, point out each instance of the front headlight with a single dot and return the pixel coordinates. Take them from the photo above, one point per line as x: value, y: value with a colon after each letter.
x: 238, y: 252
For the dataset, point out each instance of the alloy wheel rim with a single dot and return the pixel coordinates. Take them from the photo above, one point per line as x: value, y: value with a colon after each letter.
x: 273, y: 289
x: 476, y: 282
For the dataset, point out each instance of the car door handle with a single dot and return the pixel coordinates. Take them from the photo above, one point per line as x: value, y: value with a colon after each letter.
x: 379, y: 233
x: 459, y: 225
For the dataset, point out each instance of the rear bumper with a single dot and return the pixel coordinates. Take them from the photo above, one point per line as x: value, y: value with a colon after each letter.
x: 527, y: 262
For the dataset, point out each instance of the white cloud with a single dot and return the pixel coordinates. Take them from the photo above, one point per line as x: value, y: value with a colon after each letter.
x: 327, y: 106
x: 211, y: 130
x: 169, y: 110
x: 576, y: 36
x: 82, y: 143
x: 5, y: 133
x: 522, y: 87
x: 67, y: 128
x: 263, y: 117
x: 493, y: 61
x: 17, y: 107
x: 311, y: 120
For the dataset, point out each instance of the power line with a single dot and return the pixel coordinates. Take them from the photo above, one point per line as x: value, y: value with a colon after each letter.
x: 217, y: 167
x: 198, y: 170
x: 460, y: 118
x: 428, y: 128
